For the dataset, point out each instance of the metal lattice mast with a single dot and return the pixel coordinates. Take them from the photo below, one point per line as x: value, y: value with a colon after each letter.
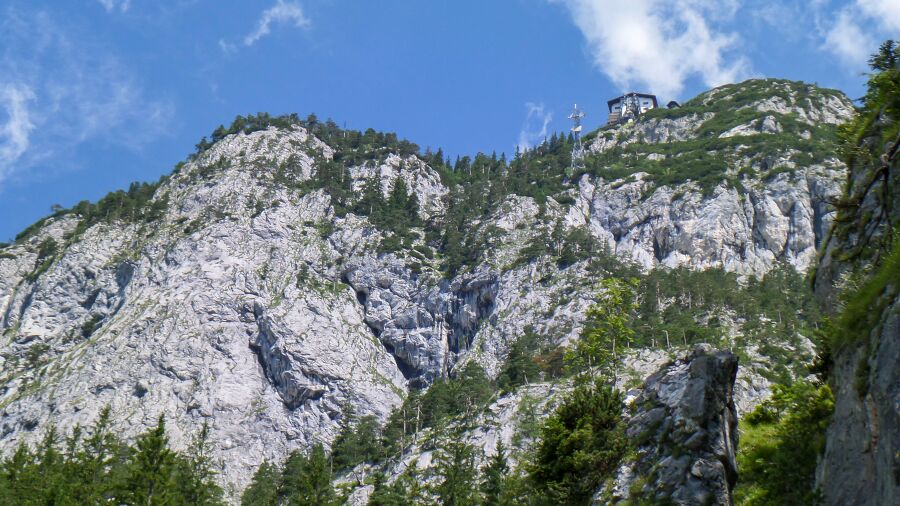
x: 577, y: 147
x: 631, y: 106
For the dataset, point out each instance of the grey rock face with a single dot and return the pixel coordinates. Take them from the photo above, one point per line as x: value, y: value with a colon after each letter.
x: 425, y: 327
x: 861, y: 465
x: 783, y: 220
x: 252, y: 306
x: 685, y: 429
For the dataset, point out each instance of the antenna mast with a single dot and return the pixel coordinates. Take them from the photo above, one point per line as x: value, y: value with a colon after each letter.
x: 577, y: 147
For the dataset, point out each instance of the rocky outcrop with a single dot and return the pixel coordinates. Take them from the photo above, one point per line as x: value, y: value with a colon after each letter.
x: 684, y: 426
x: 861, y: 465
x: 424, y: 325
x: 747, y: 231
x: 744, y: 224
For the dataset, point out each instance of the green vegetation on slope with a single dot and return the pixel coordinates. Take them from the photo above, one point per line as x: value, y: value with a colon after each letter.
x: 479, y: 184
x: 94, y: 467
x: 870, y: 238
x: 581, y: 445
x: 780, y: 445
x: 709, y: 160
x: 683, y: 306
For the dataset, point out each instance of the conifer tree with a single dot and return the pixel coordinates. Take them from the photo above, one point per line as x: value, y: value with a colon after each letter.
x: 49, y: 468
x: 457, y: 476
x: 388, y: 494
x: 494, y: 475
x: 196, y: 477
x: 581, y: 444
x: 98, y: 455
x: 306, y: 480
x: 20, y: 476
x: 151, y: 468
x: 263, y: 488
x: 607, y: 328
x: 356, y: 442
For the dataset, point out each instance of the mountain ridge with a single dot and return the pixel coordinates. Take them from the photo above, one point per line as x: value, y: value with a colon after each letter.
x: 254, y: 287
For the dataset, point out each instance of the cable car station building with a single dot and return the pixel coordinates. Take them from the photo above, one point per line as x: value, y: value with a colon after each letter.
x: 629, y: 106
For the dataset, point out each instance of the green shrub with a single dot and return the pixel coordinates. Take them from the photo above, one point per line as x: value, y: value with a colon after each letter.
x: 864, y: 305
x: 581, y: 444
x: 781, y: 441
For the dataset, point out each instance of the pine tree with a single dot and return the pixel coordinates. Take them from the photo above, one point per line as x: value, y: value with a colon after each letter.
x: 21, y: 479
x: 457, y: 476
x: 306, y: 480
x: 388, y: 494
x: 607, y: 328
x: 263, y: 488
x: 494, y: 474
x: 196, y: 477
x: 98, y: 455
x: 581, y: 444
x: 151, y: 468
x: 51, y: 467
x: 356, y: 442
x: 887, y: 57
x: 412, y: 483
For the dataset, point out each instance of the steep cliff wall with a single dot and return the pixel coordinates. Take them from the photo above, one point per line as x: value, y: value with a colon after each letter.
x: 256, y: 301
x: 859, y: 278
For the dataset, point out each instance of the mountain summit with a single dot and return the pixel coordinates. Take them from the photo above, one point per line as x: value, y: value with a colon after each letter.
x: 290, y: 269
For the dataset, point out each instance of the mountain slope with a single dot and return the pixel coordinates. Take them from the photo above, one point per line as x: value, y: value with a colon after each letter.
x: 289, y: 269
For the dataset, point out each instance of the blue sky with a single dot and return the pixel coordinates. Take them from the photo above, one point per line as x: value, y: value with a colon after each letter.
x: 95, y: 94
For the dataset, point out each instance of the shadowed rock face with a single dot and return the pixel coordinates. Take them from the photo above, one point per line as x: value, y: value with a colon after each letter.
x: 685, y: 429
x: 861, y: 464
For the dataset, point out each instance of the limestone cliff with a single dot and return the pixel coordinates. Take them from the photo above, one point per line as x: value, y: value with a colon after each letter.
x: 256, y: 301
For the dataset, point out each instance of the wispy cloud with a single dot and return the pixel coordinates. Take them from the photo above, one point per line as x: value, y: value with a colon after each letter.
x: 853, y: 31
x: 657, y: 45
x: 847, y: 40
x: 112, y: 5
x: 280, y: 13
x: 59, y: 89
x: 227, y: 47
x: 535, y: 127
x: 15, y: 133
x: 884, y: 12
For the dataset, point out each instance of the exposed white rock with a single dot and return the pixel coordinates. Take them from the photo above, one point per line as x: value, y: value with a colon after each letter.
x: 747, y: 233
x: 252, y: 306
x: 420, y: 180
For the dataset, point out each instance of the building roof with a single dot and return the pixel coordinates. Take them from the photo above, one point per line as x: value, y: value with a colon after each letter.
x: 610, y: 103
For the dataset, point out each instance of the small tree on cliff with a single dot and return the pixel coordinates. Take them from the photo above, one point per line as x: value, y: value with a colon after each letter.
x: 607, y: 328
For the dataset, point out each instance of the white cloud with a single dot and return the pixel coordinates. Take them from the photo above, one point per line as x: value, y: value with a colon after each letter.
x: 281, y: 12
x: 853, y: 31
x: 59, y: 89
x: 884, y: 12
x: 15, y: 133
x: 111, y: 5
x: 227, y: 47
x: 534, y: 129
x: 848, y: 41
x: 657, y: 45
